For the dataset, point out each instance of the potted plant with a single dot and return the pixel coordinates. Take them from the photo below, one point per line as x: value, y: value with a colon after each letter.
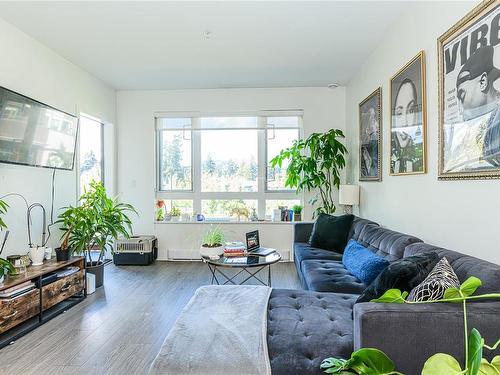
x: 315, y: 164
x: 63, y: 252
x: 212, y: 243
x: 160, y: 210
x: 297, y: 212
x: 6, y: 268
x: 94, y: 225
x: 3, y: 211
x: 175, y: 214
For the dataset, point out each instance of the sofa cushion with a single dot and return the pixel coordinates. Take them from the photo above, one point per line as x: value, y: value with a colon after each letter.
x: 329, y: 276
x: 403, y: 274
x: 304, y: 251
x: 387, y: 243
x: 362, y: 263
x: 305, y: 327
x: 464, y: 266
x: 331, y: 232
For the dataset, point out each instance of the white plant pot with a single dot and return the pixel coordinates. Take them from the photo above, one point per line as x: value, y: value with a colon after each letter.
x: 211, y: 251
x: 175, y: 218
x: 37, y: 255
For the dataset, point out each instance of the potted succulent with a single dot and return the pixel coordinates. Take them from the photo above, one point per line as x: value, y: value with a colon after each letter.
x: 175, y: 214
x: 212, y: 243
x: 297, y: 212
x: 93, y: 225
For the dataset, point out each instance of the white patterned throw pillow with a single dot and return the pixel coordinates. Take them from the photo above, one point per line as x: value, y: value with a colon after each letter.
x: 441, y: 277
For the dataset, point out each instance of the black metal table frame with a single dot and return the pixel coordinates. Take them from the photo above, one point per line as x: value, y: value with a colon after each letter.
x: 230, y: 279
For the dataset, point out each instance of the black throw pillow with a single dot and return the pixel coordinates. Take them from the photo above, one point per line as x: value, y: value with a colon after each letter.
x: 331, y: 232
x: 403, y: 274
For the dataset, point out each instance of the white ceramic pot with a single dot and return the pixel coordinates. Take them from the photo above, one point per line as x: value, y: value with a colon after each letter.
x: 175, y: 218
x: 211, y: 251
x: 37, y: 254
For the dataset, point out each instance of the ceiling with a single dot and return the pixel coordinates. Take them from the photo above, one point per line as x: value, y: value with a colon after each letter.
x: 164, y: 45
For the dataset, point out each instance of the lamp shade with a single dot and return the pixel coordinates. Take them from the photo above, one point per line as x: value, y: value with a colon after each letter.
x: 349, y: 195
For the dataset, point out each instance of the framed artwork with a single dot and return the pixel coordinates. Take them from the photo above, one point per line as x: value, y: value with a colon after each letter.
x: 408, y: 119
x: 469, y: 94
x: 370, y: 133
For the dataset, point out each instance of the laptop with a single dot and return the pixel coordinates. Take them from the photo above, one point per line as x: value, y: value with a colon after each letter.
x: 253, y: 245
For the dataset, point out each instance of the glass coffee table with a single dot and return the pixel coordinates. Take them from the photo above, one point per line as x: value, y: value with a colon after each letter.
x: 249, y: 266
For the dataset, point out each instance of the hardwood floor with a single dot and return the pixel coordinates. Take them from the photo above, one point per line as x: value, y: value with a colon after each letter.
x: 120, y: 328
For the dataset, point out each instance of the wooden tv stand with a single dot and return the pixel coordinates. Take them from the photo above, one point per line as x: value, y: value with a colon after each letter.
x: 22, y: 314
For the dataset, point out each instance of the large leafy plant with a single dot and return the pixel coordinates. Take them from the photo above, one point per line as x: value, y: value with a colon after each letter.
x: 369, y: 361
x: 314, y: 164
x: 96, y: 222
x: 3, y: 211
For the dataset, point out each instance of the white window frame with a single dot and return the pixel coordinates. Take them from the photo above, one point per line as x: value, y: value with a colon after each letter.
x: 103, y: 174
x: 195, y: 194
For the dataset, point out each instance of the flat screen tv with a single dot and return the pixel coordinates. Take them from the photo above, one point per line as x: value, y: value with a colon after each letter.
x: 33, y: 133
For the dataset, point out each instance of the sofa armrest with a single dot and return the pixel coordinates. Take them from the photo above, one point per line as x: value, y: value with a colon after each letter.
x: 302, y: 231
x: 410, y: 334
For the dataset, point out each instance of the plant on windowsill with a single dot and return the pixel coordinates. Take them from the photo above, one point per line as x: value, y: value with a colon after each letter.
x: 94, y: 224
x: 212, y: 243
x: 370, y: 361
x: 314, y: 164
x: 3, y: 210
x: 175, y: 214
x: 297, y: 212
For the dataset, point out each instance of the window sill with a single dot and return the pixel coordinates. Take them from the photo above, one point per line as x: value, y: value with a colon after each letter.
x: 234, y: 222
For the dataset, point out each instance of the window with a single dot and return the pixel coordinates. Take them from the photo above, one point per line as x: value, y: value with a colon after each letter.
x: 220, y: 164
x: 91, y: 151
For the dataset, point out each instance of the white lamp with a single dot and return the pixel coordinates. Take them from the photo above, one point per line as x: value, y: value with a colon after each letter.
x: 348, y: 196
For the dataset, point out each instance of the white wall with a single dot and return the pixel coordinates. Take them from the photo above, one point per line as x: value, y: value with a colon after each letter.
x: 323, y: 109
x: 30, y: 68
x: 459, y: 215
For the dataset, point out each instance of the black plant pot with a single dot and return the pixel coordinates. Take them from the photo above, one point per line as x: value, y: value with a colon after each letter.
x: 97, y: 269
x: 62, y: 255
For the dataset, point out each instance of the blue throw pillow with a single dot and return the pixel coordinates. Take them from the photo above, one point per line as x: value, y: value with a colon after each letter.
x: 362, y: 263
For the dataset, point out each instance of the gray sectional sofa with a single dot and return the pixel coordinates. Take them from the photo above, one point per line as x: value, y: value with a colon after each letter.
x: 306, y: 326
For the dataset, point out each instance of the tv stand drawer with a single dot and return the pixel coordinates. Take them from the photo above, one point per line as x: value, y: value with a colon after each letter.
x: 62, y: 289
x: 16, y: 310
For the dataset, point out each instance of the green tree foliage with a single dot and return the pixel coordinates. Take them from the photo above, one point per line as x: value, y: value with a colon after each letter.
x: 172, y: 161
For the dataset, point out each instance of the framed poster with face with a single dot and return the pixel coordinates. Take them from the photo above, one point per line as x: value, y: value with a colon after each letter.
x: 370, y: 133
x: 408, y: 119
x: 469, y: 96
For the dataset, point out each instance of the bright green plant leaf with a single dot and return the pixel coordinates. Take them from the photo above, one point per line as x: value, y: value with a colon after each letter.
x: 452, y: 293
x: 392, y: 296
x: 496, y: 362
x: 487, y: 368
x: 374, y: 362
x: 469, y: 286
x: 442, y: 364
x: 475, y: 351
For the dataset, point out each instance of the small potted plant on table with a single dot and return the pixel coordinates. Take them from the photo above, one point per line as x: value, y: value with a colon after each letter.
x: 94, y: 225
x: 6, y: 267
x: 212, y: 244
x: 297, y: 212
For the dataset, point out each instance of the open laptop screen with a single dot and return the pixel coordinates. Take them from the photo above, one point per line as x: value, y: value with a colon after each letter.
x: 253, y: 242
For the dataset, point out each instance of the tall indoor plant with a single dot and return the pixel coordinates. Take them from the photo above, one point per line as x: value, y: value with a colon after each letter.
x: 95, y: 223
x: 314, y: 165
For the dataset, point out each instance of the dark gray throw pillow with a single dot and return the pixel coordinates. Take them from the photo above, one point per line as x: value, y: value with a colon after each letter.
x: 442, y: 277
x: 331, y: 232
x: 403, y: 274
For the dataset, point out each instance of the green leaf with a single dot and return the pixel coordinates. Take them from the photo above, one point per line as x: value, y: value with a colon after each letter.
x: 470, y: 286
x: 392, y: 296
x: 487, y: 368
x: 375, y: 362
x: 452, y: 293
x: 475, y: 351
x: 441, y: 364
